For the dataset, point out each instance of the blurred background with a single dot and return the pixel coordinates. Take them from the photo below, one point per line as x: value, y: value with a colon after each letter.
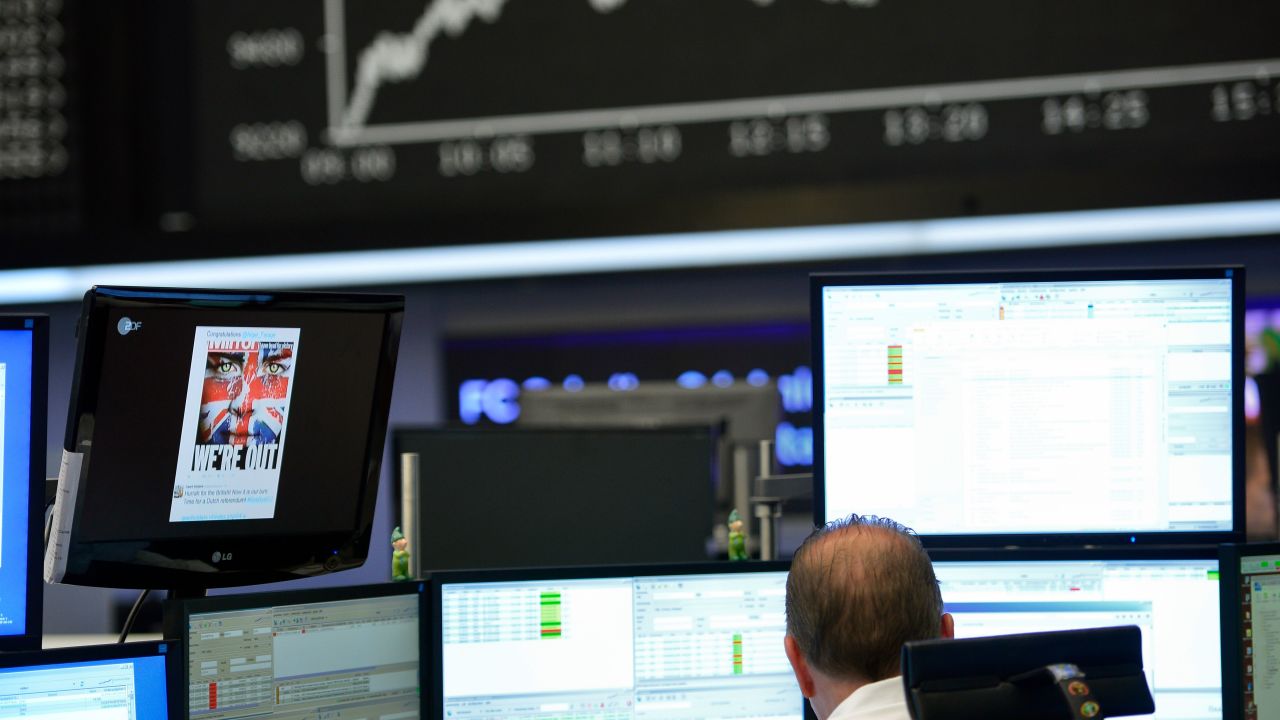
x: 604, y: 193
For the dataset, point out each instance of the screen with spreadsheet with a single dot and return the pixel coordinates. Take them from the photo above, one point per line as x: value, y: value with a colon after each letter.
x: 1032, y: 404
x: 1173, y: 601
x: 347, y: 659
x: 671, y: 646
x: 122, y: 682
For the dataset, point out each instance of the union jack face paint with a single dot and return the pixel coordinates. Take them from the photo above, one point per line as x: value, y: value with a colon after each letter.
x: 244, y: 394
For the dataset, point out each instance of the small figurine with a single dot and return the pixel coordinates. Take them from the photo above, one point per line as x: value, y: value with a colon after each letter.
x: 737, y: 541
x: 399, y: 558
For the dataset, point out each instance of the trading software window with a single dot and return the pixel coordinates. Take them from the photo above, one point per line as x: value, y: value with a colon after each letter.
x: 676, y: 647
x: 354, y: 659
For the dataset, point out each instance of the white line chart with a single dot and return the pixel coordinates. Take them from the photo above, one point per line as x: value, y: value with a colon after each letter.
x: 398, y: 57
x: 401, y: 57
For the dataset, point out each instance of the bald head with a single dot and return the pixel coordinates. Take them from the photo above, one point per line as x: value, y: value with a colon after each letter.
x: 858, y: 589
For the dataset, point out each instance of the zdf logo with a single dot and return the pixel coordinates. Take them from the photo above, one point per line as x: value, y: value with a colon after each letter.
x: 126, y: 326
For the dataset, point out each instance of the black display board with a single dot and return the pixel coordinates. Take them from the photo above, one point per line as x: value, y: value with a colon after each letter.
x: 642, y: 115
x: 234, y: 128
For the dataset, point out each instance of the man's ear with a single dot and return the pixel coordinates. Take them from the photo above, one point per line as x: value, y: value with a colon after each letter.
x: 948, y: 626
x: 804, y: 677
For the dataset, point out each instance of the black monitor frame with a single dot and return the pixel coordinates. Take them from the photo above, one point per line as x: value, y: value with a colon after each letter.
x: 38, y: 325
x: 116, y: 651
x: 440, y: 579
x: 820, y: 281
x: 178, y: 612
x: 121, y: 564
x: 1229, y: 557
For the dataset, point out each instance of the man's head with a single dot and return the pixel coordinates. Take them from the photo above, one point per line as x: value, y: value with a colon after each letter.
x: 858, y: 589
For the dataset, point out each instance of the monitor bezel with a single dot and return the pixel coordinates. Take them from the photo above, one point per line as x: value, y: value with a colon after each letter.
x: 38, y: 326
x: 96, y: 653
x: 818, y: 282
x: 178, y: 613
x: 454, y: 577
x: 120, y: 563
x: 1229, y: 558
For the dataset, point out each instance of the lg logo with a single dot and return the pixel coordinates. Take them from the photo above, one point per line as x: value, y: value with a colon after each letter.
x: 126, y: 326
x: 219, y: 557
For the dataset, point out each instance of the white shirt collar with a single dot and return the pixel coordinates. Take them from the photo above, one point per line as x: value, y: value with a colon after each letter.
x: 881, y: 700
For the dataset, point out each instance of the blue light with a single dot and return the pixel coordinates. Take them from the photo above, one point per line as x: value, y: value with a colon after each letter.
x: 499, y: 401
x: 793, y: 445
x: 496, y: 400
x: 722, y: 378
x: 757, y: 378
x: 536, y: 384
x: 797, y: 390
x: 574, y: 383
x: 622, y: 382
x: 470, y: 406
x: 691, y: 380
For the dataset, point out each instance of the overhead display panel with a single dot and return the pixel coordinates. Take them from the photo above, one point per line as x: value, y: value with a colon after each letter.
x: 493, y: 118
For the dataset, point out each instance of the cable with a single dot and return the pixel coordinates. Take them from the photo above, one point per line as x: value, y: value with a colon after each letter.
x: 133, y: 614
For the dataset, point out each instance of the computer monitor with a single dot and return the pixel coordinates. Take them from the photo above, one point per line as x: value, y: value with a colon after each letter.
x: 512, y: 497
x: 686, y: 642
x: 1251, y: 630
x: 1021, y: 408
x: 1171, y: 595
x: 222, y: 437
x: 336, y: 653
x: 24, y: 388
x: 130, y: 680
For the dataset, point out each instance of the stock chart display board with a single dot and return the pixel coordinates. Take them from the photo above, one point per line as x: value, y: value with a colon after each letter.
x: 37, y: 187
x: 669, y: 114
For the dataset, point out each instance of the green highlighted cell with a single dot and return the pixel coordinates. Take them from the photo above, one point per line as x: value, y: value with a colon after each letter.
x: 737, y: 653
x: 551, y: 626
x: 895, y: 364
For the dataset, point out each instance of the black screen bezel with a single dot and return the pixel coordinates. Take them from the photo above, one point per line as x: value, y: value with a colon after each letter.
x: 116, y: 651
x: 178, y: 612
x: 440, y: 579
x: 165, y: 563
x: 819, y: 281
x: 38, y: 326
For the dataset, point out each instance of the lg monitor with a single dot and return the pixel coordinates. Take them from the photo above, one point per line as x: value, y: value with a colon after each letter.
x: 222, y: 437
x: 692, y: 642
x: 1171, y: 595
x: 1021, y: 408
x: 128, y: 681
x: 24, y: 370
x: 336, y: 653
x: 1251, y: 630
x: 513, y: 497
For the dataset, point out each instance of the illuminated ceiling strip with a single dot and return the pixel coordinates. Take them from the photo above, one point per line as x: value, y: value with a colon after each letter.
x: 657, y: 252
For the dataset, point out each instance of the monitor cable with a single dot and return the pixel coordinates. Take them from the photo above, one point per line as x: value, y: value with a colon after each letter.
x: 133, y: 614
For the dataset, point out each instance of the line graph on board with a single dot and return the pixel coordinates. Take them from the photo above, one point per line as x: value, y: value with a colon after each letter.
x: 460, y: 107
x: 398, y: 57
